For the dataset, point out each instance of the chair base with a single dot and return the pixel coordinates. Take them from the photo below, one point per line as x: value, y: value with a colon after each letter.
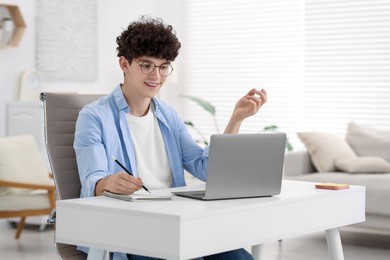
x: 69, y: 252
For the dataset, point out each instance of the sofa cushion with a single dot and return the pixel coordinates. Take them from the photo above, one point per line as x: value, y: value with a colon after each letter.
x: 325, y: 148
x: 366, y: 141
x: 377, y: 187
x: 364, y: 164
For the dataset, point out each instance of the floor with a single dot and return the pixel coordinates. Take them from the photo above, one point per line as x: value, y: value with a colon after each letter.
x: 38, y: 245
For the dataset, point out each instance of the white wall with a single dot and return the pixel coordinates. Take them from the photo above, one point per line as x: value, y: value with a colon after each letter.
x: 113, y: 15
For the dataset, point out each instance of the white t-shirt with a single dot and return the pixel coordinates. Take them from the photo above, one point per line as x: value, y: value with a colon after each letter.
x: 150, y: 153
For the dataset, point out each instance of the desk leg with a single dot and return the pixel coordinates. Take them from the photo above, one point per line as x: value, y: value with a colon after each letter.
x: 335, y: 248
x: 95, y: 253
x: 256, y: 251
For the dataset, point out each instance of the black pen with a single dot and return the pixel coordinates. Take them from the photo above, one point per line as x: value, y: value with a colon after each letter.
x: 126, y: 170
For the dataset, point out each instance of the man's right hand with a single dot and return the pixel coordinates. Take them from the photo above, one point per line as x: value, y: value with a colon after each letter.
x: 120, y: 182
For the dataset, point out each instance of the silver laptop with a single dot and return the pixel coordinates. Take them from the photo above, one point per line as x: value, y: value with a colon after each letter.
x: 243, y: 166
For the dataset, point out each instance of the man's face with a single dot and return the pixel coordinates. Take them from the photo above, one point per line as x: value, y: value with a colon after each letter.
x: 143, y: 76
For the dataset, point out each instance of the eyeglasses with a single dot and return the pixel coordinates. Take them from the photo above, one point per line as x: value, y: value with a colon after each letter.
x: 148, y: 67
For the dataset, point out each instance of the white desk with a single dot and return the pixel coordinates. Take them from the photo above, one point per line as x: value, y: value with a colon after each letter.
x: 186, y: 228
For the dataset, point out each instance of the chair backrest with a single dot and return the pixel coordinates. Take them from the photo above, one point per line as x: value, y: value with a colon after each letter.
x: 61, y: 112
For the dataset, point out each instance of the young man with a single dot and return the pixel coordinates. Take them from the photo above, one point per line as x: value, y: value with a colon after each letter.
x: 141, y: 131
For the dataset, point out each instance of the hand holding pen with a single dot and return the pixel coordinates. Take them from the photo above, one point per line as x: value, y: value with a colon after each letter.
x: 126, y: 170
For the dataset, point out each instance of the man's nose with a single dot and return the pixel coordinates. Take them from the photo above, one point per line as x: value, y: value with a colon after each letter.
x: 155, y: 74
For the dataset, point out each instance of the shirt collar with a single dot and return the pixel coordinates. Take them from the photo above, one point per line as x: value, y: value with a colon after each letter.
x: 120, y: 99
x: 122, y: 104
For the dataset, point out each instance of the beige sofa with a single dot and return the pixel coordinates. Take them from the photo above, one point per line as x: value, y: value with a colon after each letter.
x: 361, y: 158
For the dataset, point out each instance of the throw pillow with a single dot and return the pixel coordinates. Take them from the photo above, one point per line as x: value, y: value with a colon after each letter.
x: 325, y: 148
x: 21, y: 161
x: 365, y: 164
x: 366, y: 141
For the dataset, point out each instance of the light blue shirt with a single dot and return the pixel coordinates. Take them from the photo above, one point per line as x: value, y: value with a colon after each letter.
x: 102, y: 131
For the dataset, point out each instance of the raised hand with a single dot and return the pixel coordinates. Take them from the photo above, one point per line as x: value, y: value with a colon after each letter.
x: 245, y: 107
x: 249, y: 104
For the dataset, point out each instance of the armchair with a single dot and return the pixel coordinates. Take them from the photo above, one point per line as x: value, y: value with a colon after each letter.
x: 26, y: 188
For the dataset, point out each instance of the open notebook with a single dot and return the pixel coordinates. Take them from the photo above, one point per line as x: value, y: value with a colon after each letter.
x: 140, y: 195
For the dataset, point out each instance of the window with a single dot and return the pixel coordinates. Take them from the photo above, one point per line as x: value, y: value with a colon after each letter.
x: 347, y: 64
x: 234, y: 46
x: 323, y: 63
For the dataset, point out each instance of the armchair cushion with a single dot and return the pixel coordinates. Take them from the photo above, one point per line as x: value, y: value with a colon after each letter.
x: 21, y: 161
x: 24, y: 201
x: 325, y: 148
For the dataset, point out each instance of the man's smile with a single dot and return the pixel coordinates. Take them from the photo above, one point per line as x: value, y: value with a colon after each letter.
x: 152, y: 84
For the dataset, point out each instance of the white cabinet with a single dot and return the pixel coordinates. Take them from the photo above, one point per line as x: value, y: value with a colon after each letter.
x: 26, y: 117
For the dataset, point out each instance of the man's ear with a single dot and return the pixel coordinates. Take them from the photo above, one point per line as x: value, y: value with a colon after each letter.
x: 123, y: 63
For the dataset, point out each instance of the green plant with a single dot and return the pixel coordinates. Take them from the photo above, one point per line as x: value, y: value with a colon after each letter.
x: 207, y: 106
x: 274, y: 128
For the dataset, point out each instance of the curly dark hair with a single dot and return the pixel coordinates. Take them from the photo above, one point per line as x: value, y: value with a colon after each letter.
x: 148, y: 37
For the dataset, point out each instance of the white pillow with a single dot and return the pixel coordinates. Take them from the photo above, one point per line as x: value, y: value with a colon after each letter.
x: 21, y: 161
x: 365, y: 164
x: 325, y: 148
x: 366, y: 141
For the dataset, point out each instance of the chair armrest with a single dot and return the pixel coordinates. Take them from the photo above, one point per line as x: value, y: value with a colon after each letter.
x: 298, y: 163
x: 22, y: 185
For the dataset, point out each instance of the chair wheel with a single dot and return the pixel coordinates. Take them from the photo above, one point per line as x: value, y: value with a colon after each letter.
x: 13, y: 224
